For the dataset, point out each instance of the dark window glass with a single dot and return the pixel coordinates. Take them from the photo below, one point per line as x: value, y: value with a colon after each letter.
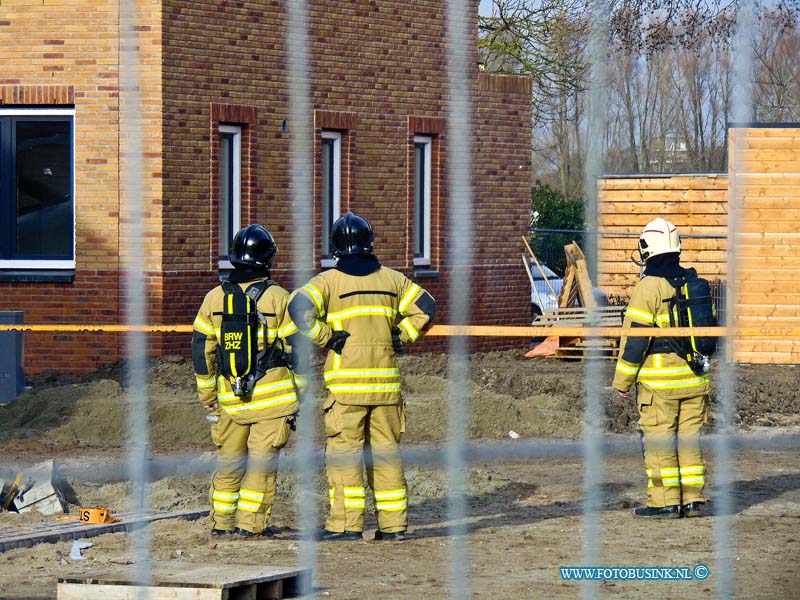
x: 226, y: 192
x: 419, y: 199
x: 36, y: 188
x: 328, y: 191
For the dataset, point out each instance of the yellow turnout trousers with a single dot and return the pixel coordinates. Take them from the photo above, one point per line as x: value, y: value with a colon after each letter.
x: 358, y: 435
x: 671, y: 433
x: 243, y: 486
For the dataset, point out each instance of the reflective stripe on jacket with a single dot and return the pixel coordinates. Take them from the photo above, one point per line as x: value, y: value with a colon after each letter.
x: 274, y: 394
x: 367, y: 307
x: 667, y: 374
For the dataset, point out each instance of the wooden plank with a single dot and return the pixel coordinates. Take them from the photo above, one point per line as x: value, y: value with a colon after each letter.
x: 767, y: 345
x: 755, y: 152
x: 777, y: 215
x: 585, y: 285
x: 785, y: 312
x: 616, y: 268
x: 766, y: 262
x: 774, y: 189
x: 599, y: 316
x: 713, y: 263
x: 791, y: 142
x: 754, y: 133
x: 768, y: 358
x: 79, y: 591
x: 538, y: 266
x: 640, y: 210
x: 767, y: 288
x: 764, y: 179
x: 688, y: 182
x: 745, y: 276
x: 778, y: 202
x: 687, y: 244
x: 767, y: 237
x: 185, y: 581
x: 73, y: 530
x: 768, y: 250
x: 675, y: 194
x: 776, y: 164
x: 565, y: 296
x: 681, y: 220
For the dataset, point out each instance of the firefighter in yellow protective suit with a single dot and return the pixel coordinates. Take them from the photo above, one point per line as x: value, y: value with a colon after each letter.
x: 671, y: 397
x: 251, y: 416
x: 363, y: 314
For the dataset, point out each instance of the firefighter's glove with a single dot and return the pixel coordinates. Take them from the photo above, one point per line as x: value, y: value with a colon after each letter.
x: 297, y: 362
x: 336, y: 343
x: 397, y: 343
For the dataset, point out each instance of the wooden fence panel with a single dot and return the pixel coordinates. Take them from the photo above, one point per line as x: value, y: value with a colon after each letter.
x: 767, y: 181
x: 766, y: 177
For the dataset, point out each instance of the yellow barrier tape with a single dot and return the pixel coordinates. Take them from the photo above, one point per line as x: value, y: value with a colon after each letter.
x: 767, y: 330
x: 613, y: 332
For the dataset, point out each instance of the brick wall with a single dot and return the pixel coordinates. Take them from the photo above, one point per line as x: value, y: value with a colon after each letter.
x: 378, y: 75
x: 57, y: 54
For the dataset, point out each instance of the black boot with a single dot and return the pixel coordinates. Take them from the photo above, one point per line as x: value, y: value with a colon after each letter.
x: 694, y: 509
x: 394, y: 536
x: 338, y: 536
x: 249, y: 534
x: 221, y: 531
x: 661, y: 512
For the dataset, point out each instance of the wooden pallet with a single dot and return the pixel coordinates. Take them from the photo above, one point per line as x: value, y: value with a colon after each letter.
x: 175, y: 580
x: 579, y: 316
x: 578, y: 347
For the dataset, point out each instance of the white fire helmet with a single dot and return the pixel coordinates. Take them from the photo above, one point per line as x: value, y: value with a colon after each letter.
x: 658, y: 237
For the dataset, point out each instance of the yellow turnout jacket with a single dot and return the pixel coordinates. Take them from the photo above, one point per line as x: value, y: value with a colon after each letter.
x: 275, y: 394
x: 368, y: 307
x: 666, y: 374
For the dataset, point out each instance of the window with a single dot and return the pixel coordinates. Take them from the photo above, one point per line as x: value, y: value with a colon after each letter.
x: 230, y: 188
x: 422, y: 200
x: 36, y: 189
x: 331, y: 189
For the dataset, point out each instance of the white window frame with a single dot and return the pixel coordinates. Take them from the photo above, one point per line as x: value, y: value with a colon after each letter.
x: 52, y: 265
x: 236, y: 183
x: 336, y: 208
x: 425, y: 259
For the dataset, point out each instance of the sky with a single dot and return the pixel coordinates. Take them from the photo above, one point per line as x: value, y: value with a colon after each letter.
x: 485, y: 7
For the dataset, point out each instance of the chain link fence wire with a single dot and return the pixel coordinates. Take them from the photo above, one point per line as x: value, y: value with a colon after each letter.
x: 134, y: 231
x: 458, y: 453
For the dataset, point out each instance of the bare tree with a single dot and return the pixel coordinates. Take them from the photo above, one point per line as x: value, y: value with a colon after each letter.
x: 777, y: 77
x: 670, y: 81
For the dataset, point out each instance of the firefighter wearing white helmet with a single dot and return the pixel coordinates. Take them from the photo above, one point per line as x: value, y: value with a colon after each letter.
x: 658, y: 237
x: 671, y: 397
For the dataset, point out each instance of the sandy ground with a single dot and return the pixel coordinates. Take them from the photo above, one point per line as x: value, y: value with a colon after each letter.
x: 525, y: 517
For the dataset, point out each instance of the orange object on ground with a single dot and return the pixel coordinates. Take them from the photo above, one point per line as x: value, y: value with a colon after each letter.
x: 95, y: 515
x: 546, y: 348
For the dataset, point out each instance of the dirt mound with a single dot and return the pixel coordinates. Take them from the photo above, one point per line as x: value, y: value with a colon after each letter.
x: 525, y: 516
x: 506, y: 392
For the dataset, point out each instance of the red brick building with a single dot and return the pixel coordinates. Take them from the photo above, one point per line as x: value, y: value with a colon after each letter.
x: 215, y: 130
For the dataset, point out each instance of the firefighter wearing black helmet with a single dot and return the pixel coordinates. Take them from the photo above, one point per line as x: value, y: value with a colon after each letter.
x: 363, y: 313
x: 248, y: 430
